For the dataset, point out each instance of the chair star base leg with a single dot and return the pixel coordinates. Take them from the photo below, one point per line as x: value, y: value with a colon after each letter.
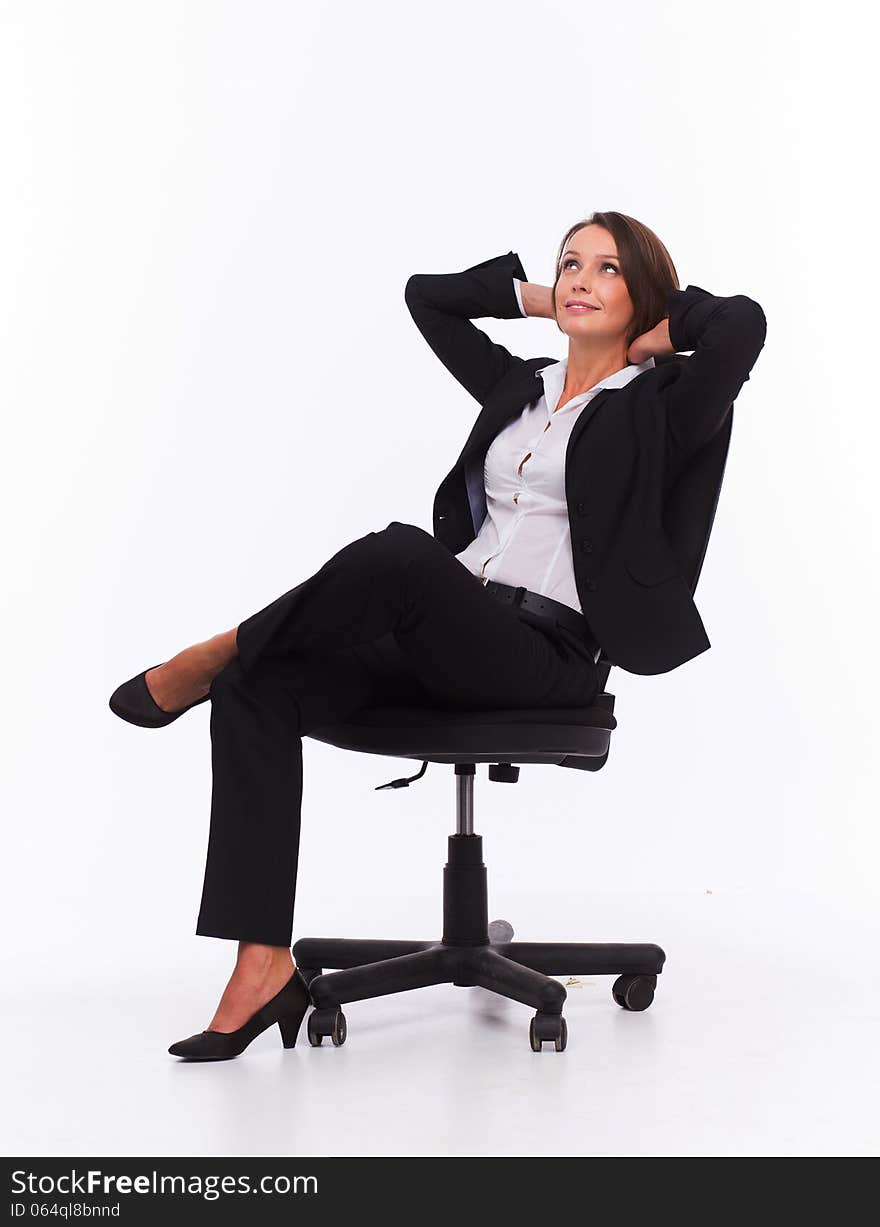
x: 586, y: 958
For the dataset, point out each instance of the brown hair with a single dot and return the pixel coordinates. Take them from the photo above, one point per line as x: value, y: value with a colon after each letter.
x: 645, y: 263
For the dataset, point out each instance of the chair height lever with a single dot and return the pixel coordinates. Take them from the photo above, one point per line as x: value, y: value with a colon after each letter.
x: 404, y: 781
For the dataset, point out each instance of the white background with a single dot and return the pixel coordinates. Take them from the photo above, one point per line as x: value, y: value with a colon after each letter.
x: 209, y: 213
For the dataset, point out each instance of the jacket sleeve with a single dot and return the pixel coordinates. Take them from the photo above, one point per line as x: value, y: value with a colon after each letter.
x: 726, y: 335
x: 443, y: 306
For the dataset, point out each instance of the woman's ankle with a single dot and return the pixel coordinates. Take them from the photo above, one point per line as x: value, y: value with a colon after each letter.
x: 257, y: 956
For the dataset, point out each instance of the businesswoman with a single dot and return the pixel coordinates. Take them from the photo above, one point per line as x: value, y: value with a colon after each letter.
x: 548, y: 547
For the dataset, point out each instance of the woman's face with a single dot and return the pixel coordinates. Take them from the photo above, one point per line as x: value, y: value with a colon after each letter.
x: 590, y: 273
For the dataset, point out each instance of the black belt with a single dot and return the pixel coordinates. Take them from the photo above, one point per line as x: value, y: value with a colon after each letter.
x: 542, y: 609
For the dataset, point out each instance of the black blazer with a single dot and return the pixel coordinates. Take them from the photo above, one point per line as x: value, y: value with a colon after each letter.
x: 627, y: 448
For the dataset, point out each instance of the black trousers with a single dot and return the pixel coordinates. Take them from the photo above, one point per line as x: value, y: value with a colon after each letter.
x: 393, y: 617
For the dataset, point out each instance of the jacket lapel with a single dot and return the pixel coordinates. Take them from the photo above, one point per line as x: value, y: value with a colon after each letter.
x: 510, y: 398
x: 587, y: 413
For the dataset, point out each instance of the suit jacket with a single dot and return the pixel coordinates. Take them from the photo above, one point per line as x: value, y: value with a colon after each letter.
x: 626, y: 450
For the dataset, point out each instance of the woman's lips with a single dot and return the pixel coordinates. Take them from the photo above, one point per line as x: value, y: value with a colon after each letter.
x: 580, y: 307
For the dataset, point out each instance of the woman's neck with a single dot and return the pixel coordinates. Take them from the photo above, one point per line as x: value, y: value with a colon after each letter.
x: 584, y: 368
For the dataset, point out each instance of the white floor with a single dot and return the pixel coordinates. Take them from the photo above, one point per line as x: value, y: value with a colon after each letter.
x: 762, y: 1040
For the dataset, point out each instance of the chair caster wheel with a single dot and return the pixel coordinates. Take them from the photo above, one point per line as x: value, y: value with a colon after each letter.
x: 329, y: 1021
x: 548, y: 1027
x: 500, y: 931
x: 309, y: 973
x: 634, y: 992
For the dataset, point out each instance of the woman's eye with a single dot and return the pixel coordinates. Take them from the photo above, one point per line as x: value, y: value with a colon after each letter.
x: 607, y: 264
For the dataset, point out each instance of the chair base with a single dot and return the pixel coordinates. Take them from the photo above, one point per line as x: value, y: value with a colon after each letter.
x: 522, y: 971
x: 471, y: 952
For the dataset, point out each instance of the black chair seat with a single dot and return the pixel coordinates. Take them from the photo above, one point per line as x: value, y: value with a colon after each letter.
x: 437, y: 735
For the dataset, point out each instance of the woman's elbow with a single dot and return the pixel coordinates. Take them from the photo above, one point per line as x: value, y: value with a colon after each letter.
x: 752, y: 314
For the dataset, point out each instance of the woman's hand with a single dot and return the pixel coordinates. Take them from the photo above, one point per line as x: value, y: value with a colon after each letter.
x: 651, y: 344
x: 537, y: 300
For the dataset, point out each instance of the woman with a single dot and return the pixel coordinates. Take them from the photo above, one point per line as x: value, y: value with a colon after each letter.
x: 489, y: 612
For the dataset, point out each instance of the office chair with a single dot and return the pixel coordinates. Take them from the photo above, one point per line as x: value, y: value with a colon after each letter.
x: 472, y: 951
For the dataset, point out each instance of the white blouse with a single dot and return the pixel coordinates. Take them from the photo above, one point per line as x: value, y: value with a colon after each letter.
x: 525, y: 539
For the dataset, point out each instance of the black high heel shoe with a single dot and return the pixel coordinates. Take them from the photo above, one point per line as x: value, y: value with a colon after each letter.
x: 287, y: 1008
x: 133, y: 702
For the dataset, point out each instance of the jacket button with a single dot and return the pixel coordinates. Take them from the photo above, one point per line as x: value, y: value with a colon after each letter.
x: 590, y: 585
x: 587, y: 546
x: 582, y: 509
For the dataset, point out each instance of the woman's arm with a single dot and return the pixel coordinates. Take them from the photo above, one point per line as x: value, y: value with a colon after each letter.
x: 443, y: 306
x: 726, y: 336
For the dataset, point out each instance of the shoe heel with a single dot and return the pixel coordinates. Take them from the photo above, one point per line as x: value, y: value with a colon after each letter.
x: 289, y: 1028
